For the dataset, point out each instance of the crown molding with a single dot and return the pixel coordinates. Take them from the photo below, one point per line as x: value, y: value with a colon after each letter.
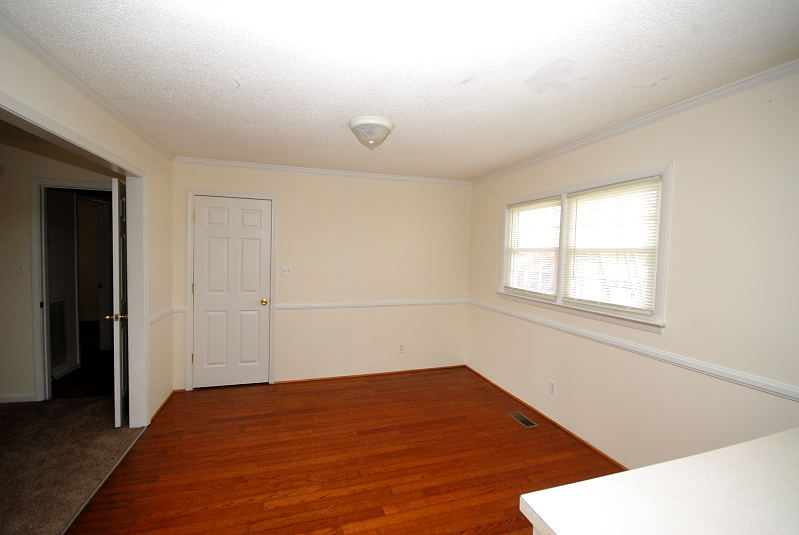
x: 317, y: 171
x: 769, y: 75
x: 22, y: 38
x: 33, y: 47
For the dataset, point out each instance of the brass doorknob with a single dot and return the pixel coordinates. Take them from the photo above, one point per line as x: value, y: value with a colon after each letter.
x: 264, y: 301
x: 108, y: 317
x: 116, y: 317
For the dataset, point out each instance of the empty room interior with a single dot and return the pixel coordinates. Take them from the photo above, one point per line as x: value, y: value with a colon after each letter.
x: 348, y: 239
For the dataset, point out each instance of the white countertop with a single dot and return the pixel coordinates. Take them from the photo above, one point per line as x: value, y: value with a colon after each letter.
x: 752, y: 487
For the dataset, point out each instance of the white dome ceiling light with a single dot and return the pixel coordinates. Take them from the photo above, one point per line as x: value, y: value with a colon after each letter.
x: 371, y: 130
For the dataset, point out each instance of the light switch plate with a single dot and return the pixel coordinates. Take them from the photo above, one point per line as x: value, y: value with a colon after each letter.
x: 287, y: 270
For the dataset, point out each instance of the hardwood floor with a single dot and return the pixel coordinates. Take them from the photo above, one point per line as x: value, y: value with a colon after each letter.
x: 425, y: 453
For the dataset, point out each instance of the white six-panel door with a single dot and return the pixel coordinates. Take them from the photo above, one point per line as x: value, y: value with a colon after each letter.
x: 231, y: 290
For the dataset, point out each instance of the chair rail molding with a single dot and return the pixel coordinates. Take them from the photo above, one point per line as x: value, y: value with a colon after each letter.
x: 763, y: 384
x: 371, y: 304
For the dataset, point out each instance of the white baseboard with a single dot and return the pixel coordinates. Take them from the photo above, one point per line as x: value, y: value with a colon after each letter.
x: 60, y: 371
x: 17, y: 398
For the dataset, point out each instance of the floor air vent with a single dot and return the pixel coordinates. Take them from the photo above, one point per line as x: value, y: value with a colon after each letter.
x: 523, y: 420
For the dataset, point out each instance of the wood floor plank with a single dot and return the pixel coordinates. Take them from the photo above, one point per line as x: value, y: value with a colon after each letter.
x: 431, y: 452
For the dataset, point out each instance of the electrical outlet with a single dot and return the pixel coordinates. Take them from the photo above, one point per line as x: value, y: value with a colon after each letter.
x: 553, y: 387
x: 401, y: 348
x: 20, y: 267
x: 287, y: 270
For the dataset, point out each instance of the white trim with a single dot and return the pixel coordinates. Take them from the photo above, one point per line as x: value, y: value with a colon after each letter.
x: 317, y: 171
x: 189, y: 308
x: 370, y: 304
x: 662, y: 169
x: 24, y: 112
x: 731, y: 375
x: 232, y: 194
x: 33, y: 47
x: 60, y: 371
x: 273, y: 291
x: 22, y: 38
x: 584, y: 313
x: 17, y: 398
x: 664, y: 238
x: 137, y: 283
x: 168, y: 311
x: 189, y: 370
x: 138, y: 341
x: 15, y: 107
x: 764, y: 77
x: 350, y: 304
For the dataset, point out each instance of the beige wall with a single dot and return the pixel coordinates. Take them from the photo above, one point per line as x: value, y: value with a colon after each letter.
x: 731, y: 293
x: 17, y: 167
x: 350, y: 240
x: 358, y: 240
x: 30, y: 86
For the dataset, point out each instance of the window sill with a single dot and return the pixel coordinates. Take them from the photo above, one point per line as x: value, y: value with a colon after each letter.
x: 635, y: 323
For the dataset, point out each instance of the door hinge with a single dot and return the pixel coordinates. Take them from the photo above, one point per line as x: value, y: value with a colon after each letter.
x: 192, y: 358
x: 193, y: 216
x: 192, y: 287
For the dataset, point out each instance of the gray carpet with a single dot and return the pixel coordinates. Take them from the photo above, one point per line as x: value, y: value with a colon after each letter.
x: 53, y: 456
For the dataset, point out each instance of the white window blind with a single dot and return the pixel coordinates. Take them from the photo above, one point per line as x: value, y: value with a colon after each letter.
x: 596, y: 249
x: 611, y: 245
x: 534, y: 235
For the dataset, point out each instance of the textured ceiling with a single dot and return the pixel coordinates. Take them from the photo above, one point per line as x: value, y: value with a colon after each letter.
x: 471, y: 87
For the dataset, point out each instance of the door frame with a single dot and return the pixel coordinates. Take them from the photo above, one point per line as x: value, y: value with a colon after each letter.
x: 23, y: 116
x: 138, y: 363
x: 41, y: 325
x: 191, y: 194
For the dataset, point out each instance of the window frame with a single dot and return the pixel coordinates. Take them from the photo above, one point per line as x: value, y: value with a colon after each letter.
x: 607, y: 313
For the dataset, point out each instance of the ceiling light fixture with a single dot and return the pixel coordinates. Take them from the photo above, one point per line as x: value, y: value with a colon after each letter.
x: 371, y: 130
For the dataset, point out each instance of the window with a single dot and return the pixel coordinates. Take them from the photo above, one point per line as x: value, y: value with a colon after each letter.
x: 534, y: 237
x: 596, y: 249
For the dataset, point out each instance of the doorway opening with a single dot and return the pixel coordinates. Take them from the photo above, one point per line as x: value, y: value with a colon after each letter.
x: 78, y: 275
x: 48, y: 141
x: 56, y: 274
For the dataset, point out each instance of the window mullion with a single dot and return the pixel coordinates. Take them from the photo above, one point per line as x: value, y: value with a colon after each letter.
x: 561, y: 251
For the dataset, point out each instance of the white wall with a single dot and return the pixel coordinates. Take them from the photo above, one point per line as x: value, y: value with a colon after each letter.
x: 731, y: 298
x: 350, y: 240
